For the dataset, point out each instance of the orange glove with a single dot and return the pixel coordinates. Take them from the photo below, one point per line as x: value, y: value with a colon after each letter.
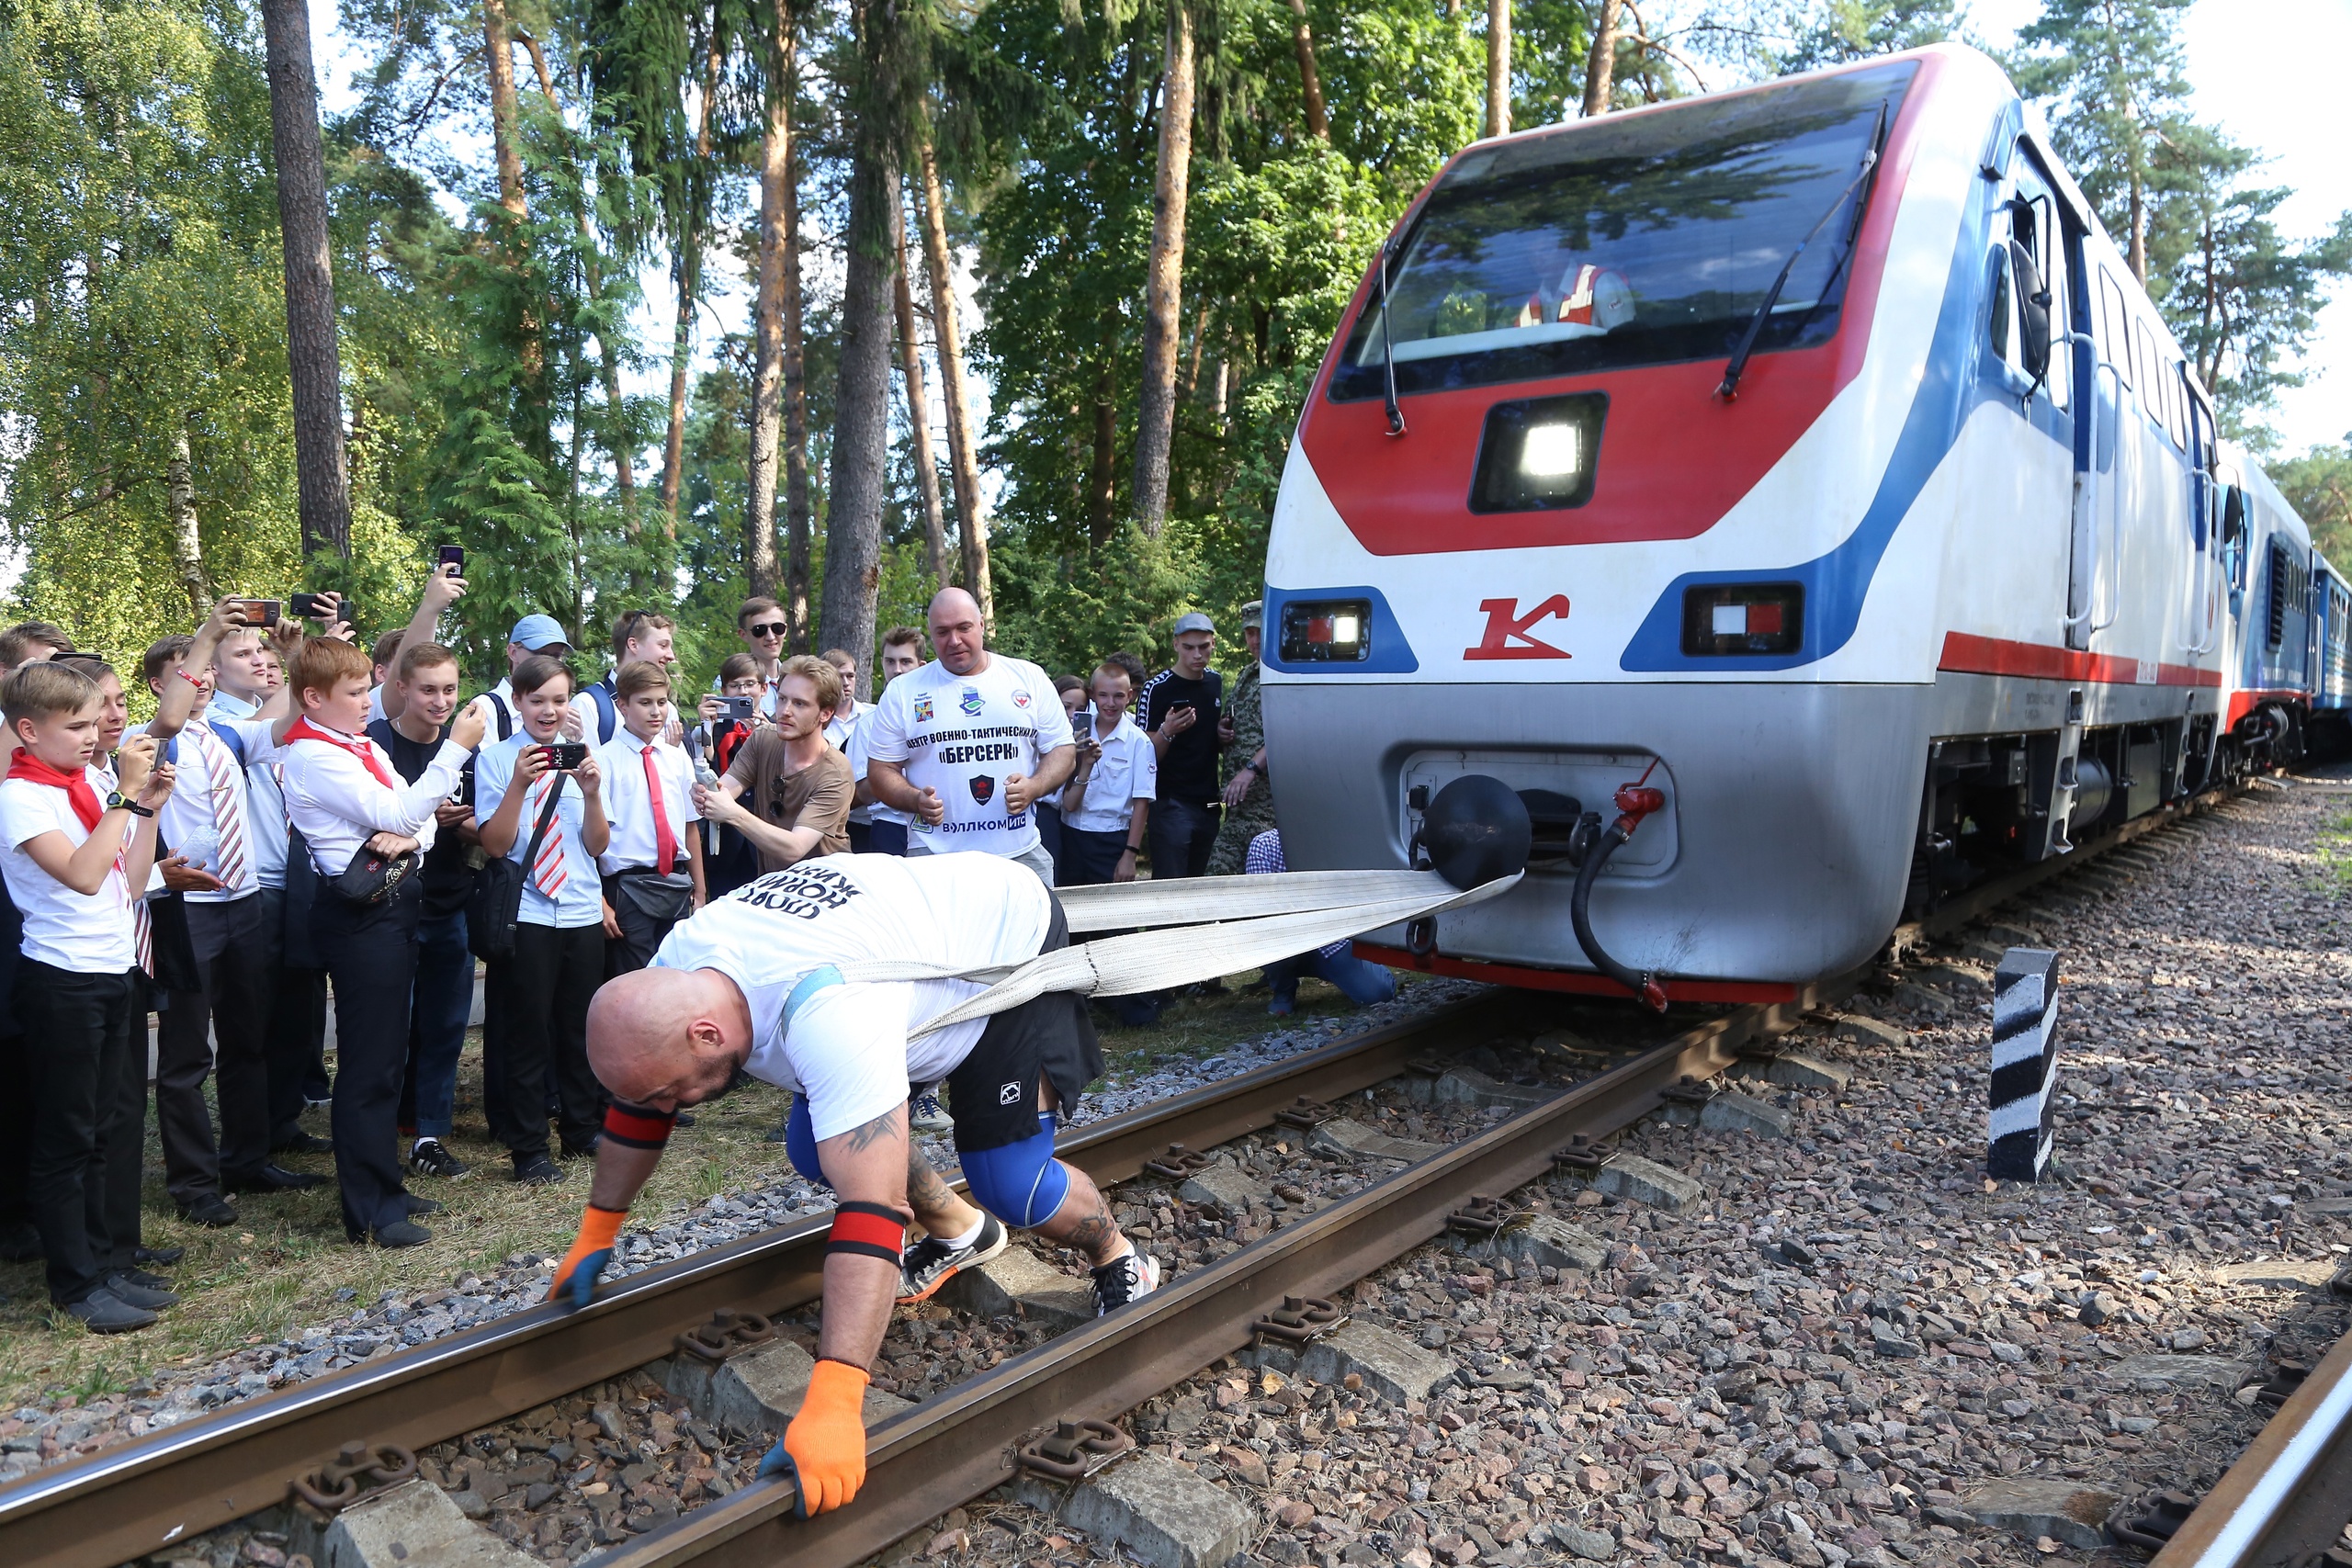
x: 824, y: 1449
x: 575, y: 1277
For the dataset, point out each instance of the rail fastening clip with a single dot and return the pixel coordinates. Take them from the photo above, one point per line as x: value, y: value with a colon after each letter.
x: 1299, y: 1320
x: 729, y: 1333
x: 1178, y: 1163
x: 337, y: 1484
x: 1305, y: 1113
x: 1073, y: 1450
x: 1482, y: 1215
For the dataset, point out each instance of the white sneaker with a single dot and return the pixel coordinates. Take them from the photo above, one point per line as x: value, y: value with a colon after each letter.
x: 931, y: 1262
x: 1124, y: 1279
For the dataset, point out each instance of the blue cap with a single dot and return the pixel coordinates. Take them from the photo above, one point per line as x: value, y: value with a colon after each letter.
x: 534, y: 632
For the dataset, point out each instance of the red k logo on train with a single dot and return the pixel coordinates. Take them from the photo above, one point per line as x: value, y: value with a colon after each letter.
x: 1508, y: 634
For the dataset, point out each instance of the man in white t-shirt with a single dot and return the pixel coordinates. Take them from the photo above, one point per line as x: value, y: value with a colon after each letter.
x: 969, y: 742
x: 752, y: 982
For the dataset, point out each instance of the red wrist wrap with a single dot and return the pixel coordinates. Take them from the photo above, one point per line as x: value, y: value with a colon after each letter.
x: 637, y: 1127
x: 867, y: 1230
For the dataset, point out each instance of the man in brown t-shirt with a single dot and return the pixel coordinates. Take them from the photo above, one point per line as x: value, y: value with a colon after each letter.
x: 787, y: 791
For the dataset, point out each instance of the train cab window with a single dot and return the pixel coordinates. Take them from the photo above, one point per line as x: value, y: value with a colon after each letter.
x: 1632, y: 240
x: 2176, y: 404
x: 2151, y: 382
x: 2033, y: 229
x: 2001, y: 318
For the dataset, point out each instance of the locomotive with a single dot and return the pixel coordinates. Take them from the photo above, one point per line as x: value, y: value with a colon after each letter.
x: 1799, y: 474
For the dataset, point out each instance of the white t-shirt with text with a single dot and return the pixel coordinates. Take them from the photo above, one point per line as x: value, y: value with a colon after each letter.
x: 848, y: 1050
x: 962, y: 736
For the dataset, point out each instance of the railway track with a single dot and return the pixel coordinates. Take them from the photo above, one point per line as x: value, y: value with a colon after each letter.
x: 2289, y: 1497
x: 144, y: 1495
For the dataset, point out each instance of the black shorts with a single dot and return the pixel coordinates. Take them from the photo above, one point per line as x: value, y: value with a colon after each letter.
x: 992, y: 1094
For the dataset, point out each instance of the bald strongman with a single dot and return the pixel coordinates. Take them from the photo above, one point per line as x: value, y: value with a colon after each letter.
x: 752, y: 982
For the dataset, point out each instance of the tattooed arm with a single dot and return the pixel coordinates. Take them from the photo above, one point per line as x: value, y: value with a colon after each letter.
x: 867, y: 1164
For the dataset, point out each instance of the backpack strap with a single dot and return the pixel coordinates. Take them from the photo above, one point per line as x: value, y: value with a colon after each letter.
x: 606, y: 715
x: 231, y: 738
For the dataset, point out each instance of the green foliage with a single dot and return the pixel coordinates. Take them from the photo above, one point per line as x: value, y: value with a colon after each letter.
x: 2318, y: 485
x: 1835, y: 31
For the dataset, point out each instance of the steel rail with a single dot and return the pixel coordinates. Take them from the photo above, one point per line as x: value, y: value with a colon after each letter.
x: 951, y: 1449
x: 2289, y: 1494
x: 141, y: 1496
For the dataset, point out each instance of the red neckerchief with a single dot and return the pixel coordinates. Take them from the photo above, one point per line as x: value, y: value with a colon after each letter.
x: 76, y: 785
x: 303, y: 730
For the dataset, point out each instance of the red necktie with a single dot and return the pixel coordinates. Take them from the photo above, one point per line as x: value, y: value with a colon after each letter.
x: 303, y: 730
x: 76, y: 785
x: 665, y: 847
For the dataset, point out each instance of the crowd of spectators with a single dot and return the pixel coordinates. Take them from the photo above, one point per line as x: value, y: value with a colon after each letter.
x: 303, y: 820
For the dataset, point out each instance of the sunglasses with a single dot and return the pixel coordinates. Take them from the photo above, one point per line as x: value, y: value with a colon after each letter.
x: 772, y: 629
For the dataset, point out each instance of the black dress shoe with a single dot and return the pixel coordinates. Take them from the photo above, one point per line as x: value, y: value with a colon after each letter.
x: 272, y: 1178
x: 584, y: 1151
x: 683, y: 1119
x: 126, y: 1287
x: 417, y: 1205
x: 539, y: 1172
x: 305, y: 1144
x: 161, y: 1257
x: 402, y: 1233
x: 103, y: 1312
x: 211, y: 1212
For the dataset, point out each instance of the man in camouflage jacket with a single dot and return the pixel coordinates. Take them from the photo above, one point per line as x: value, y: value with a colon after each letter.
x: 1248, y: 798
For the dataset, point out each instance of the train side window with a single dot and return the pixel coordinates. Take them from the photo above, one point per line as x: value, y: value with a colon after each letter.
x: 2150, y: 385
x: 2115, y: 336
x: 2176, y: 404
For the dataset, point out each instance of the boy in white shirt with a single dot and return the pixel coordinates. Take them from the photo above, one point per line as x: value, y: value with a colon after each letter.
x: 885, y: 831
x: 342, y: 797
x: 216, y: 822
x: 71, y: 861
x: 540, y: 992
x: 840, y: 733
x: 652, y: 863
x: 1106, y: 806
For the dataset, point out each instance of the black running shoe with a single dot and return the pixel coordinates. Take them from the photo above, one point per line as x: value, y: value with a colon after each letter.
x: 1124, y: 1279
x: 539, y: 1172
x: 931, y: 1262
x: 429, y: 1157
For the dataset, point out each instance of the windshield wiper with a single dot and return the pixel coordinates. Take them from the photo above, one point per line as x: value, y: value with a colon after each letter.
x: 1388, y: 352
x: 1738, y: 365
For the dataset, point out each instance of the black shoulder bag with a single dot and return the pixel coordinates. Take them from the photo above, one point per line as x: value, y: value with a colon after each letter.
x: 496, y: 907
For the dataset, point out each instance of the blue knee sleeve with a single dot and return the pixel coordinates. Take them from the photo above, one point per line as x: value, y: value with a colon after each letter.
x: 801, y: 1141
x: 1021, y: 1184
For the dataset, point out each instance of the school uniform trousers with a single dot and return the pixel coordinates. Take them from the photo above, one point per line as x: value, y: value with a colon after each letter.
x: 370, y: 954
x: 236, y: 959
x: 540, y: 997
x: 85, y: 1079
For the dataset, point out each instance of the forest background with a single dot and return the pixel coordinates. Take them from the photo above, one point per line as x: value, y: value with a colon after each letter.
x: 242, y: 351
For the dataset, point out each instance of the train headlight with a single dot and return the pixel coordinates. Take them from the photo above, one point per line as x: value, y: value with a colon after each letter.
x: 1733, y: 618
x: 1327, y: 631
x: 1537, y: 454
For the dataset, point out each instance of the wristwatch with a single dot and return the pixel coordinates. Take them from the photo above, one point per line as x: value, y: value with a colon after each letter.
x: 118, y: 801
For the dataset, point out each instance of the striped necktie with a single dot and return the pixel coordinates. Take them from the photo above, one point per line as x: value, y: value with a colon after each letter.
x: 547, y: 872
x: 228, y: 807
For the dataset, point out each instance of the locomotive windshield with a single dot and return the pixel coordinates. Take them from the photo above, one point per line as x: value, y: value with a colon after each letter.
x: 1637, y: 239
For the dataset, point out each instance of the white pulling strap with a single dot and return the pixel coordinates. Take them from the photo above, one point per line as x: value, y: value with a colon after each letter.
x: 1181, y: 955
x: 1123, y: 905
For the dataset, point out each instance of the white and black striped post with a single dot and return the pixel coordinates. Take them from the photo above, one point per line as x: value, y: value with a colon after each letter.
x: 2025, y: 1063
